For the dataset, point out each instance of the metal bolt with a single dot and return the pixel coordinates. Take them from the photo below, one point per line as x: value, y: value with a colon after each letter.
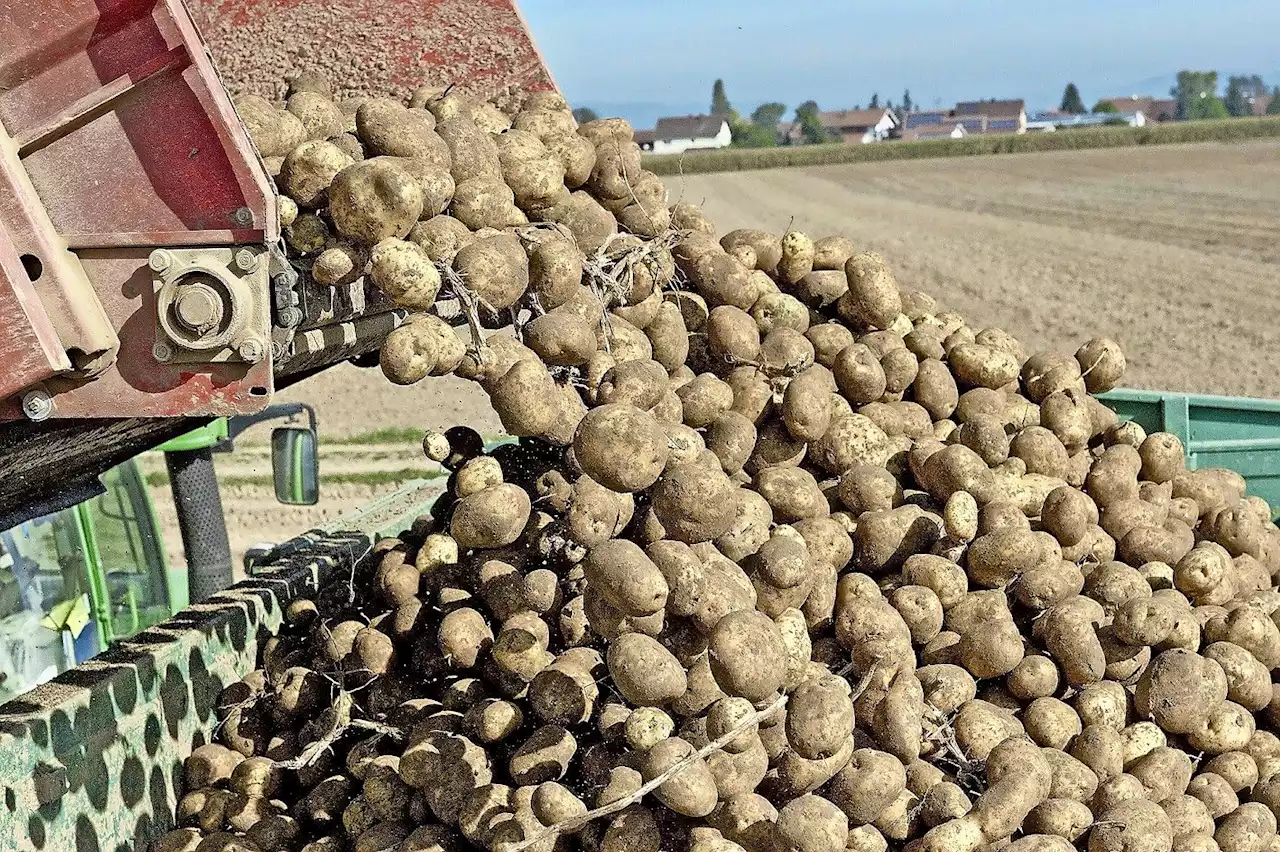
x: 243, y: 217
x: 251, y: 350
x: 160, y: 260
x: 277, y: 350
x: 37, y: 405
x: 246, y: 261
x: 198, y: 307
x: 162, y: 352
x: 290, y: 317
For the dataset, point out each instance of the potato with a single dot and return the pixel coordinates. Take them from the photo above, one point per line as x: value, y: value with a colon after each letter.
x: 1180, y: 689
x: 372, y: 200
x: 1102, y: 364
x: 274, y: 132
x: 473, y: 153
x: 644, y: 672
x: 746, y: 654
x: 626, y: 578
x: 209, y: 765
x: 978, y: 365
x: 403, y: 271
x: 1059, y: 817
x: 309, y: 169
x: 819, y: 718
x: 704, y: 400
x: 484, y: 202
x: 811, y: 824
x: 796, y: 260
x: 872, y: 300
x: 621, y: 447
x: 733, y: 335
x: 1164, y: 771
x: 805, y: 404
x: 792, y: 493
x: 561, y: 339
x: 935, y: 389
x: 691, y: 791
x: 1249, y: 828
x: 1162, y: 457
x: 544, y: 756
x: 492, y: 517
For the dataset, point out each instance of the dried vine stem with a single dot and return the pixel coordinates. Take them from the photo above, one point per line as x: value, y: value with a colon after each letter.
x: 343, y: 722
x: 576, y: 824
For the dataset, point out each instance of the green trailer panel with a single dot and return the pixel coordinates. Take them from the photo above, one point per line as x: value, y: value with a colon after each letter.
x: 92, y: 760
x: 1217, y: 431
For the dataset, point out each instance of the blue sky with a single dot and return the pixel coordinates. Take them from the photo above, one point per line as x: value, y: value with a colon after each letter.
x: 663, y: 54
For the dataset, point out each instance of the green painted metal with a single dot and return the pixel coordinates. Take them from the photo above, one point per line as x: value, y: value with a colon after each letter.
x: 1238, y: 433
x: 198, y: 439
x: 93, y: 759
x: 99, y: 600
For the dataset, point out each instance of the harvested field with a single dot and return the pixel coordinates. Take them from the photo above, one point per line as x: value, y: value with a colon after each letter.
x: 1174, y: 250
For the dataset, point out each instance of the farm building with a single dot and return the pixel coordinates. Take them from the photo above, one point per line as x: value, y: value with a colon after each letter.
x: 949, y: 129
x: 854, y: 126
x: 1060, y: 121
x: 685, y: 133
x: 1152, y: 109
x: 994, y: 116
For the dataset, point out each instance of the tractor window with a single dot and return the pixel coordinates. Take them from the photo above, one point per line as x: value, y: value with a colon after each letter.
x: 129, y: 551
x: 43, y: 576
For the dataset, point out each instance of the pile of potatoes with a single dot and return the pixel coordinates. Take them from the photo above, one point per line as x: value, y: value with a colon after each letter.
x: 785, y: 558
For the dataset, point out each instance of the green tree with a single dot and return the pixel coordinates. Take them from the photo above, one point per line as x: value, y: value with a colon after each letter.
x: 1273, y: 108
x: 811, y: 130
x: 720, y: 103
x: 1104, y: 106
x: 1071, y: 102
x: 584, y: 114
x: 1236, y: 101
x: 906, y: 101
x: 748, y: 134
x: 875, y: 101
x: 768, y: 114
x: 1197, y: 96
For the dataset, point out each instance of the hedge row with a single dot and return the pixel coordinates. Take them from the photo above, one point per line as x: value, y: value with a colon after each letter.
x: 742, y: 159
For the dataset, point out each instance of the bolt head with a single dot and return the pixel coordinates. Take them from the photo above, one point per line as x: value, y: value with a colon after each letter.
x: 160, y: 260
x: 243, y: 217
x: 198, y: 307
x: 251, y: 350
x: 246, y: 261
x: 162, y: 352
x: 37, y: 405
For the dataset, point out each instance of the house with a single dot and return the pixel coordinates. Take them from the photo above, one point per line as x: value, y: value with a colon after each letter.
x: 918, y: 120
x: 677, y: 134
x: 925, y: 132
x: 1054, y: 120
x: 859, y: 126
x: 994, y: 116
x: 1153, y: 109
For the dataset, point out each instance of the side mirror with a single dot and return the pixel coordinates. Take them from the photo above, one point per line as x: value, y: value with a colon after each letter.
x: 295, y: 466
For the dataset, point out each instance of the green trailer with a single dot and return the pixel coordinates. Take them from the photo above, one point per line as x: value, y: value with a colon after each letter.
x: 1238, y: 433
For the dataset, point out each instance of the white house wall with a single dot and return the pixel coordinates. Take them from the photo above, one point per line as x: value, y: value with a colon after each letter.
x: 679, y: 146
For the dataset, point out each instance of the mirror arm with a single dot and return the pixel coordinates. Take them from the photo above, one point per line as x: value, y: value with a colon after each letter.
x: 239, y: 423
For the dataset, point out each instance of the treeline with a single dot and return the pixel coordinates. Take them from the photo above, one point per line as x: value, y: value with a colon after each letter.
x: 760, y: 129
x: 1196, y: 97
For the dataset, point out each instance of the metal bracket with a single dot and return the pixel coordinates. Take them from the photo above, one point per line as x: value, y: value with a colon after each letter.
x: 211, y: 305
